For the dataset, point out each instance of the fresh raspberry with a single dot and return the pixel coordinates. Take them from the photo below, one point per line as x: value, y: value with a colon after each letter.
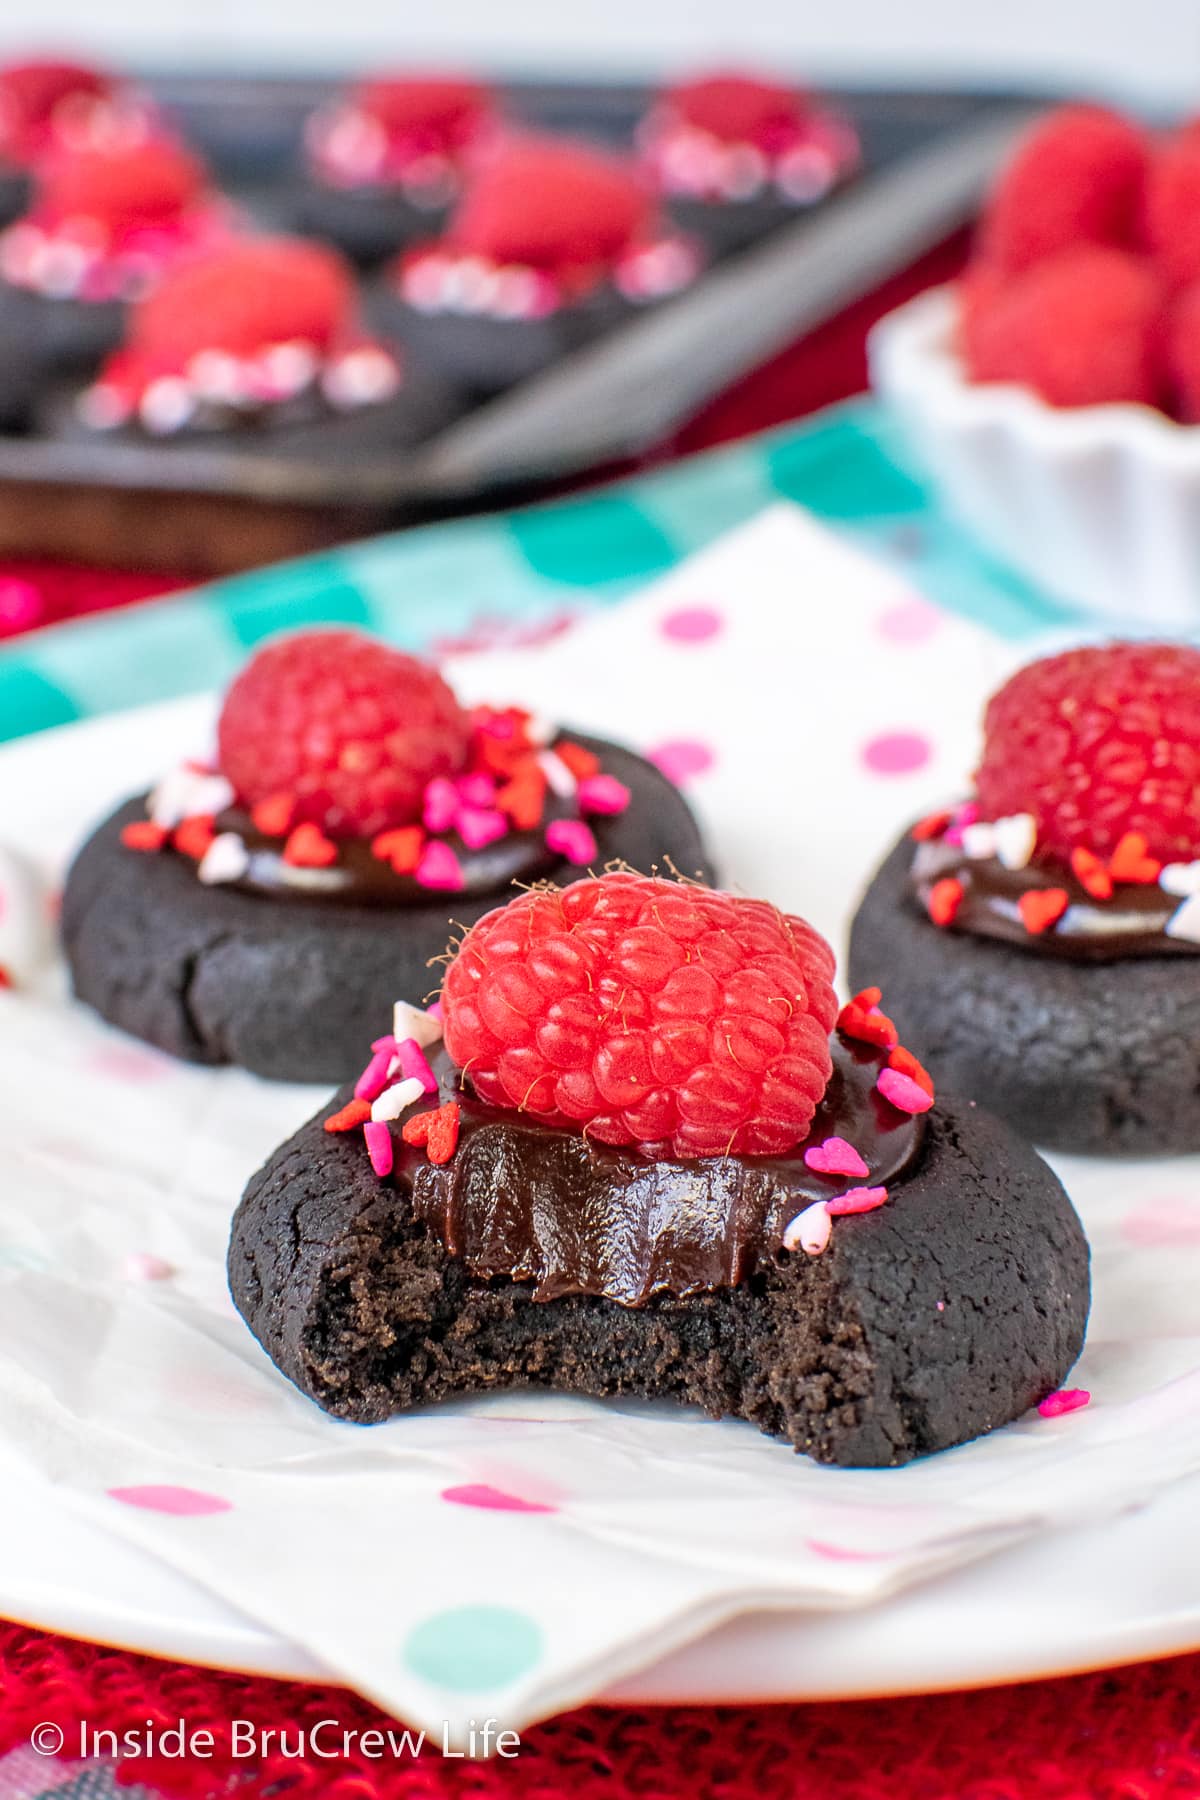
x: 552, y: 205
x: 244, y: 296
x: 443, y: 111
x: 148, y: 183
x: 1182, y: 355
x: 1171, y: 219
x: 1081, y: 329
x: 674, y: 1019
x: 739, y: 109
x: 33, y: 93
x: 1096, y: 743
x: 1078, y: 177
x: 350, y: 728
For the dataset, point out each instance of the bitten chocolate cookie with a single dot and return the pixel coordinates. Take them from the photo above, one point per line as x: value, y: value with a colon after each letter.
x: 643, y: 1164
x: 1040, y: 941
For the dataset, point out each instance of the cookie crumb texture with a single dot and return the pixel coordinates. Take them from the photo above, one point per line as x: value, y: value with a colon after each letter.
x: 291, y: 989
x: 951, y: 1311
x: 1100, y: 1058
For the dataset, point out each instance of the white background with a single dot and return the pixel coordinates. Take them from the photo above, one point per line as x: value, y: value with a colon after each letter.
x: 1151, y: 47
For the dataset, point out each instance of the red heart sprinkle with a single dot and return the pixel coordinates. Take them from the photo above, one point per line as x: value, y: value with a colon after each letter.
x: 1129, y: 861
x: 308, y: 848
x: 1042, y: 907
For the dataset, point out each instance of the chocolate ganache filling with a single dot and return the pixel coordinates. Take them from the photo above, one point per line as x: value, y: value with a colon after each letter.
x: 364, y: 879
x: 1143, y: 918
x: 540, y: 1203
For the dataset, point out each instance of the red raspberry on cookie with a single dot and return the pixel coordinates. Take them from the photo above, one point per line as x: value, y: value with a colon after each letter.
x: 352, y: 730
x: 644, y: 1012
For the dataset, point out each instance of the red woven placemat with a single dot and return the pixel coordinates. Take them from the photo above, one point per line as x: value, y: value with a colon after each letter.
x: 1132, y: 1734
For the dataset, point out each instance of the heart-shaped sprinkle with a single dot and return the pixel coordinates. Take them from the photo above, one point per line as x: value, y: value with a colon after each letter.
x: 441, y: 804
x: 1016, y: 839
x: 979, y: 841
x: 905, y: 1094
x: 809, y: 1231
x: 194, y: 837
x: 308, y: 848
x: 401, y: 847
x: 1041, y: 908
x: 143, y: 834
x: 1091, y: 874
x: 835, y: 1157
x: 1131, y: 862
x: 439, y: 868
x: 861, y: 1019
x: 573, y: 839
x: 945, y: 898
x: 273, y: 816
x: 479, y: 826
x: 907, y: 1064
x: 1180, y: 878
x: 355, y: 1112
x: 1184, y: 922
x: 226, y: 859
x: 437, y: 1130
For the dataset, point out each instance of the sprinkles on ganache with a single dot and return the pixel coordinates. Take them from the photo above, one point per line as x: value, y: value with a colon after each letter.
x: 398, y: 1085
x: 497, y: 772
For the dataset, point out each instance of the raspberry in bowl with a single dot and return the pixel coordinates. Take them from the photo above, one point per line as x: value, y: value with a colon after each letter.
x: 107, y: 219
x: 259, y: 341
x: 1052, y: 392
x: 263, y: 905
x: 551, y: 242
x: 386, y: 159
x: 733, y: 155
x: 1042, y: 937
x: 637, y: 1148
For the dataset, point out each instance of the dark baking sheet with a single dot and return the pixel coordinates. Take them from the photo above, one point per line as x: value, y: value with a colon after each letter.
x: 927, y: 158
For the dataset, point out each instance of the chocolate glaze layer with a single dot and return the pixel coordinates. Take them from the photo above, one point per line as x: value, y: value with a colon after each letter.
x: 1132, y: 923
x: 367, y: 880
x: 539, y: 1203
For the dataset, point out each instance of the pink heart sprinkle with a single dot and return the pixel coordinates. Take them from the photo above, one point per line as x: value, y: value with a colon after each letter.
x: 440, y: 868
x: 905, y: 1094
x: 573, y: 839
x: 492, y: 1499
x: 835, y: 1157
x: 478, y: 826
x: 603, y: 794
x: 181, y: 1502
x: 441, y: 804
x: 856, y: 1200
x: 476, y: 789
x: 1066, y: 1400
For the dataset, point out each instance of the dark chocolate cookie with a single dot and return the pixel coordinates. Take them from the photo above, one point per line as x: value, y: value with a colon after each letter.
x: 293, y: 988
x: 1096, y: 1057
x: 949, y: 1311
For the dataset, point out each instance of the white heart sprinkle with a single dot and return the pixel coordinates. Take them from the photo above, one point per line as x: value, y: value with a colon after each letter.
x: 1185, y: 921
x: 809, y: 1231
x: 1180, y: 878
x: 226, y: 859
x: 979, y: 841
x: 395, y: 1100
x: 1016, y: 839
x: 188, y: 794
x: 410, y: 1022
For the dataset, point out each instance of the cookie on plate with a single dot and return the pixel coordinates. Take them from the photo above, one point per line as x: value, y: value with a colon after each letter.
x: 1041, y: 939
x: 266, y: 906
x: 637, y: 1149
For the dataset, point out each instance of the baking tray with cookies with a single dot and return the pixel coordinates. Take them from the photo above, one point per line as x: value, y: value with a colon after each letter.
x: 242, y: 319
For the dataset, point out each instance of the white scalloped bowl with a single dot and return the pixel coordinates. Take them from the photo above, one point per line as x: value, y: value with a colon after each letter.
x: 1098, y: 506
